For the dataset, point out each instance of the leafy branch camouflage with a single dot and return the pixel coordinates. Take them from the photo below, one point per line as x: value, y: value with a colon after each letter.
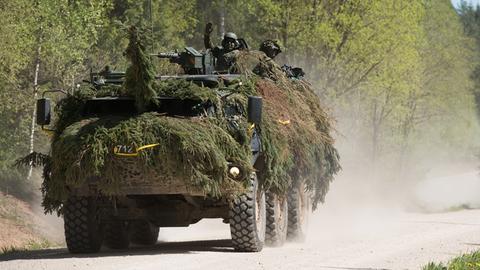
x: 295, y: 134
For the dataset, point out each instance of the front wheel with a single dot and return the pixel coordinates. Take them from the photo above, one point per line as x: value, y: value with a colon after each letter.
x: 247, y: 219
x: 83, y: 231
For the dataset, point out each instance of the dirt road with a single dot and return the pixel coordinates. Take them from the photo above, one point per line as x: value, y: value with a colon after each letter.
x: 350, y: 231
x: 370, y: 239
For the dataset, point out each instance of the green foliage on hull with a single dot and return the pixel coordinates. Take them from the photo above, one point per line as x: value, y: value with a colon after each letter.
x: 140, y: 75
x: 295, y: 135
x: 194, y: 150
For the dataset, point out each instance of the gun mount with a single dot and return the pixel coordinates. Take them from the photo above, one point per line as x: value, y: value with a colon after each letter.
x: 199, y: 67
x: 192, y: 61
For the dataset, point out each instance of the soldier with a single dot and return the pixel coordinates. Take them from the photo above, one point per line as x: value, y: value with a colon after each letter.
x: 229, y: 44
x: 271, y: 48
x: 293, y: 72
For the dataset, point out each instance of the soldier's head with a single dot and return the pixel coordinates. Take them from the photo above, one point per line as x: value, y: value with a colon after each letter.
x: 229, y: 42
x: 271, y: 48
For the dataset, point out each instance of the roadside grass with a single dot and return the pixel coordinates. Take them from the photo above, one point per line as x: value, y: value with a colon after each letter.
x: 19, y: 232
x: 470, y: 261
x: 31, y: 245
x: 12, y: 210
x: 417, y: 207
x: 459, y: 208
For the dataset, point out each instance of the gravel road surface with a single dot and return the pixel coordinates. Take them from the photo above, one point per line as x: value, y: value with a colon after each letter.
x: 344, y: 234
x: 372, y: 239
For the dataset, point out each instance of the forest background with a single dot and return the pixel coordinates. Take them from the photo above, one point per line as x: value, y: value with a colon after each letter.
x: 401, y: 77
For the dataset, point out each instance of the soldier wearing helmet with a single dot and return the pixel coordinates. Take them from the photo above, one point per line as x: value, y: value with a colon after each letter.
x: 229, y: 44
x: 271, y: 48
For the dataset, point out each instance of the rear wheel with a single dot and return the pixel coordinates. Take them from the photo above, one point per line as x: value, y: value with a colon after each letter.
x: 142, y: 232
x: 83, y: 231
x: 247, y: 219
x: 299, y: 206
x: 277, y: 219
x: 116, y: 235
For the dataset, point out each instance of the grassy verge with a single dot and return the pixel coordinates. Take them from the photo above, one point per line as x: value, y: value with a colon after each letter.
x: 31, y: 245
x: 20, y: 227
x: 470, y: 261
x: 459, y: 208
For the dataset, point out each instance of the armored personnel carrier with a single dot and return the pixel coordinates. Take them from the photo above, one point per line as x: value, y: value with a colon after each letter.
x: 134, y: 151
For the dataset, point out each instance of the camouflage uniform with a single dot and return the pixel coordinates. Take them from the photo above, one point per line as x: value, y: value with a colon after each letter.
x: 271, y: 48
x: 229, y: 44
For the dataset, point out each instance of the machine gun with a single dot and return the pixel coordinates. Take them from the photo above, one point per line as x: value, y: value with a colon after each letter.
x: 199, y: 68
x: 192, y: 61
x: 293, y: 72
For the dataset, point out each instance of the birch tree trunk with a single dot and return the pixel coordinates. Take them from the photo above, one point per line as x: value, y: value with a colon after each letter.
x: 35, y: 95
x: 222, y: 19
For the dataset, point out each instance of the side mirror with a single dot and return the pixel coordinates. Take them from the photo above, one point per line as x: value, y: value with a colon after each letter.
x: 43, y: 111
x: 254, y: 110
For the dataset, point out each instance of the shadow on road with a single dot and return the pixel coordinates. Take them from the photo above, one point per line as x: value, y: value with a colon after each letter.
x: 223, y: 245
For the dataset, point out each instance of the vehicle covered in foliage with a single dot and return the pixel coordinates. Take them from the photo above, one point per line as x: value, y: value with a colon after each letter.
x: 132, y: 152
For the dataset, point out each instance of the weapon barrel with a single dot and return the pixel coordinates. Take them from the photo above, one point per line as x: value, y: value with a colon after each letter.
x: 168, y: 55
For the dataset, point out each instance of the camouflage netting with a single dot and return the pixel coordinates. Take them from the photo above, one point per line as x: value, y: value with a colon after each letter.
x: 295, y: 133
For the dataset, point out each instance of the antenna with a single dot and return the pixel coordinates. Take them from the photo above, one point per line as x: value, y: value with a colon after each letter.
x: 151, y: 25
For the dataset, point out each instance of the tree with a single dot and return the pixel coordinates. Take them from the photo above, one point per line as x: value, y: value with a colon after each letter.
x: 42, y: 50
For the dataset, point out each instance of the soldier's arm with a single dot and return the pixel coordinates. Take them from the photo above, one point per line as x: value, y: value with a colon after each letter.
x: 216, y: 51
x: 206, y: 37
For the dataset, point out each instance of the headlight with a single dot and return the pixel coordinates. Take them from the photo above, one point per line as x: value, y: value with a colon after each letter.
x: 234, y: 171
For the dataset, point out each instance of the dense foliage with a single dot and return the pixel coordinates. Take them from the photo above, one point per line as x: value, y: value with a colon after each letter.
x: 397, y: 74
x: 194, y: 151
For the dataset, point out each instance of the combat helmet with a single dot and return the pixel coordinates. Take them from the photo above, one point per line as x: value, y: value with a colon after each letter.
x: 271, y: 48
x: 230, y: 42
x: 230, y: 35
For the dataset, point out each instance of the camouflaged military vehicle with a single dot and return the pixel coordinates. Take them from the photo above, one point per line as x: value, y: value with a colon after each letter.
x: 198, y: 147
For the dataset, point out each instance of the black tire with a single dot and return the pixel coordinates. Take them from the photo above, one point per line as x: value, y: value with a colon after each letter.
x: 248, y: 219
x: 299, y: 206
x: 144, y: 233
x: 83, y: 231
x: 277, y: 219
x: 116, y: 235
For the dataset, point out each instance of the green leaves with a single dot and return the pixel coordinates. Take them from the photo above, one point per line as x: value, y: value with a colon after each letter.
x: 396, y: 72
x: 140, y: 75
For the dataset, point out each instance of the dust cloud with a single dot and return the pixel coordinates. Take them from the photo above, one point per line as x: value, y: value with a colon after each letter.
x: 449, y: 191
x: 368, y: 198
x: 363, y: 199
x: 48, y: 226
